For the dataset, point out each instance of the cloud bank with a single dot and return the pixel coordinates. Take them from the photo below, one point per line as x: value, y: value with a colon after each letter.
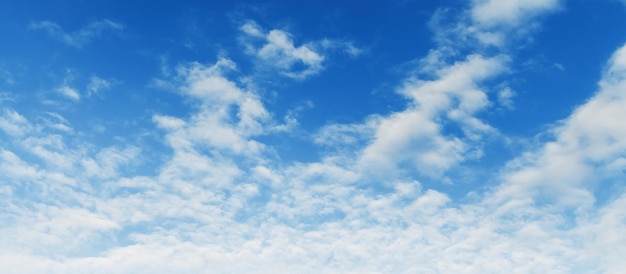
x: 223, y: 201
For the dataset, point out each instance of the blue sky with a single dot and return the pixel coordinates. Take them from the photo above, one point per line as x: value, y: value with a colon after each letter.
x: 481, y: 136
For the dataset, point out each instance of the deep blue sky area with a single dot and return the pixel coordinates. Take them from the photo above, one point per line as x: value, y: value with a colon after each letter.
x: 475, y: 136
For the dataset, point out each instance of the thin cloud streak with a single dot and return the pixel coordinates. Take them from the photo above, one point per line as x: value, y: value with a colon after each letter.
x: 80, y: 37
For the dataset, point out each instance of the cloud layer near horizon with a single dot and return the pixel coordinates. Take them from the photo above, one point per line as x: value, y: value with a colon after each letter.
x: 223, y: 201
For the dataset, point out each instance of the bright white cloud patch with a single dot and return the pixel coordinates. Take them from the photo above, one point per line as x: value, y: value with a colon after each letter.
x: 229, y: 115
x: 277, y: 50
x: 509, y: 12
x: 200, y: 176
x: 587, y: 144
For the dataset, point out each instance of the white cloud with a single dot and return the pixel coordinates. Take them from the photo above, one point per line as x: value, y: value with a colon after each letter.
x: 228, y: 118
x: 279, y: 52
x: 505, y: 98
x: 15, y: 168
x: 221, y: 201
x: 345, y: 46
x: 416, y: 136
x: 604, y: 246
x: 81, y: 37
x: 451, y: 96
x: 169, y: 123
x: 316, y: 217
x: 97, y: 85
x: 275, y: 49
x: 106, y: 163
x: 588, y: 147
x: 491, y: 23
x: 341, y: 135
x: 13, y: 123
x: 253, y: 29
x: 509, y: 13
x: 56, y: 121
x: 68, y: 92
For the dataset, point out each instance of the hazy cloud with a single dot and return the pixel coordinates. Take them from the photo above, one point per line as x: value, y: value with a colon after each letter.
x: 80, y: 37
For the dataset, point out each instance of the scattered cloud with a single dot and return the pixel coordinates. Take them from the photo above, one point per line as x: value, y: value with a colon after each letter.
x: 252, y: 216
x: 96, y: 85
x: 346, y: 47
x: 68, y: 92
x: 509, y: 13
x: 222, y: 200
x: 58, y: 122
x: 276, y: 49
x: 80, y: 37
x: 340, y: 135
x: 490, y: 23
x: 13, y: 123
x: 505, y: 98
x: 588, y: 143
x: 218, y: 126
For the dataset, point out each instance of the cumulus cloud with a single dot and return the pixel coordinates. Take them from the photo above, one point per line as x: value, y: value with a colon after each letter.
x: 80, y: 37
x: 221, y: 200
x: 229, y: 117
x: 277, y: 50
x: 446, y: 92
x: 416, y: 135
x: 231, y: 216
x: 586, y: 144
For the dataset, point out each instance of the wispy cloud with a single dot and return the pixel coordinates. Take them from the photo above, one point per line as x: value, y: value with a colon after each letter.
x: 81, y: 37
x: 13, y: 123
x: 6, y: 76
x: 505, y: 98
x: 491, y: 23
x: 56, y: 121
x: 68, y: 92
x: 96, y: 85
